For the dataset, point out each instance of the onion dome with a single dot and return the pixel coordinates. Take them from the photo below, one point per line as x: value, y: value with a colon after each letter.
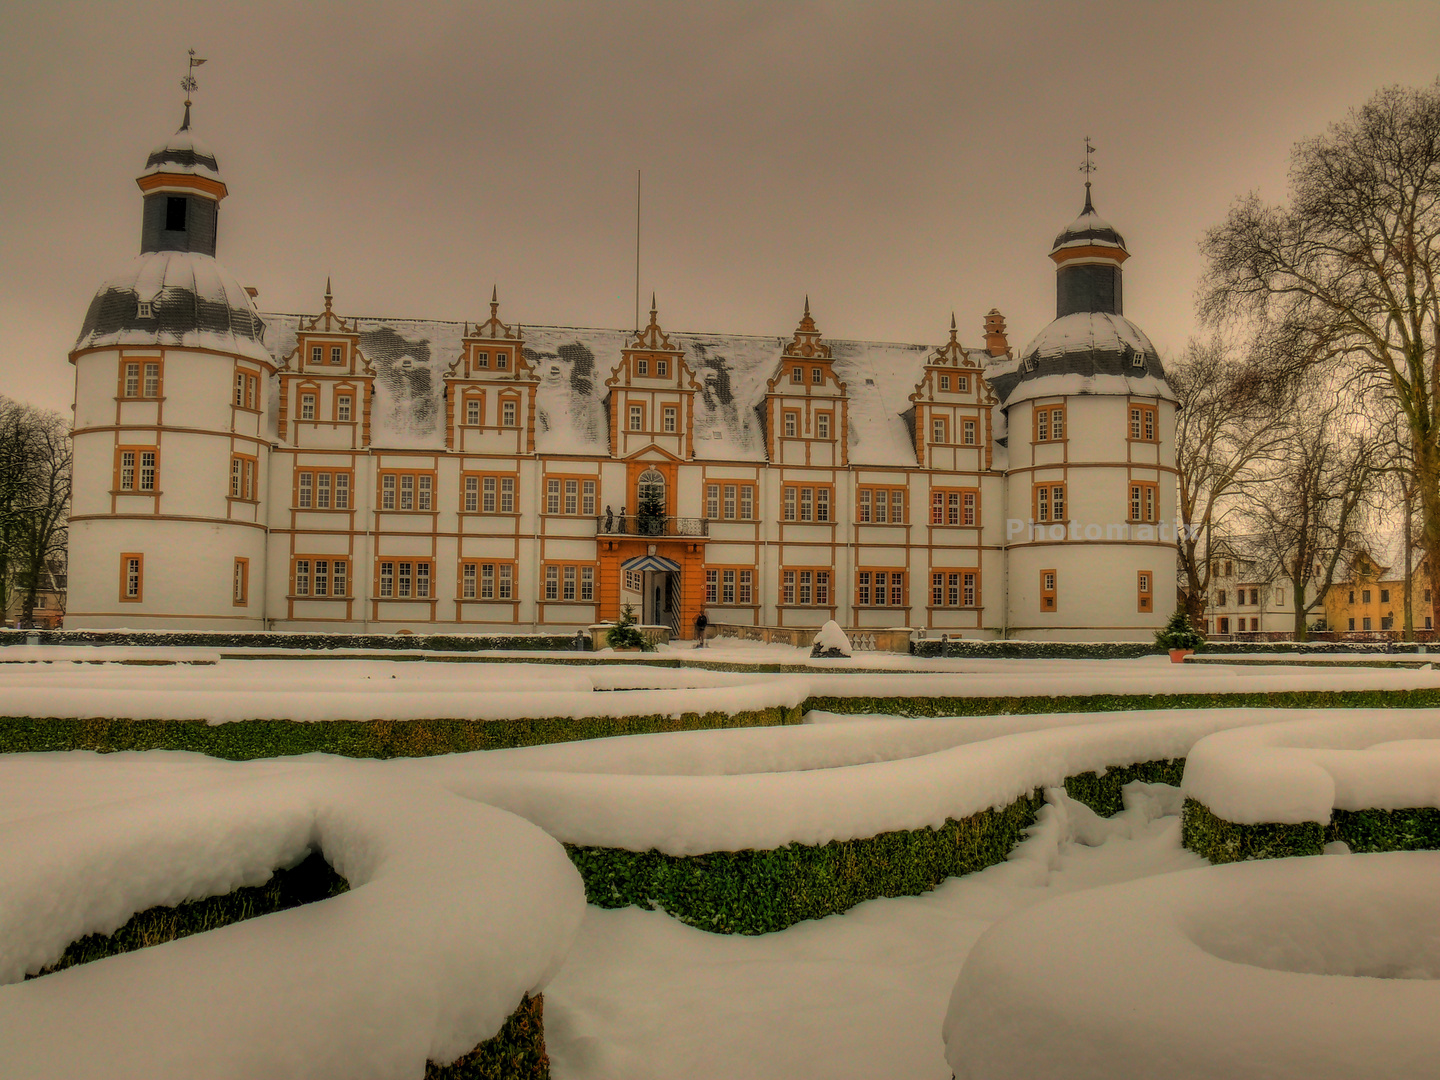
x: 176, y: 299
x: 183, y: 155
x: 1088, y: 230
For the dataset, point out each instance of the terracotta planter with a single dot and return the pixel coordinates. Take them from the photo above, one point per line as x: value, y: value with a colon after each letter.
x: 1177, y: 656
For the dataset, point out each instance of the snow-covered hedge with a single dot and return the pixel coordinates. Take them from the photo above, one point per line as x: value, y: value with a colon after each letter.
x: 750, y: 831
x: 1372, y: 782
x: 456, y: 912
x: 1125, y: 650
x: 288, y: 639
x: 1161, y: 977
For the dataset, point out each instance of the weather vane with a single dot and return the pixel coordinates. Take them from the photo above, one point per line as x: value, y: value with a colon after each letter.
x: 1087, y: 166
x: 188, y: 83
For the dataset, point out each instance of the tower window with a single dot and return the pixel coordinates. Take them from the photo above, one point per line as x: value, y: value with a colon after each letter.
x: 174, y: 214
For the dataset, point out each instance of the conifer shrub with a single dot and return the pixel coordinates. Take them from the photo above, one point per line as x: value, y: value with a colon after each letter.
x: 1179, y: 632
x: 623, y: 634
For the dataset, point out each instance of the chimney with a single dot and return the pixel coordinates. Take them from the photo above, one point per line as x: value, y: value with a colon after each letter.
x: 996, y: 343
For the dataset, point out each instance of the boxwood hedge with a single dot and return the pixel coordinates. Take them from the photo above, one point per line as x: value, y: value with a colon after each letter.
x: 285, y: 639
x: 1222, y: 841
x: 516, y: 1050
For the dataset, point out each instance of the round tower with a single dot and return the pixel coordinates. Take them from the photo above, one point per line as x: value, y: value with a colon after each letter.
x: 171, y: 446
x: 1091, y: 490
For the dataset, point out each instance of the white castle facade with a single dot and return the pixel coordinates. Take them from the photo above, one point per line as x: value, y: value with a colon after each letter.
x: 242, y: 470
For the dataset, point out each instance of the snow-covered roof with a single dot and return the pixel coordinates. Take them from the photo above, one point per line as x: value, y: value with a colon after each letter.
x: 1087, y: 352
x: 194, y: 303
x: 183, y: 153
x: 572, y: 363
x: 1088, y: 230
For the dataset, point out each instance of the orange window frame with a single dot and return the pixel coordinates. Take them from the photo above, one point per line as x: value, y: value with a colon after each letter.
x: 1143, y: 419
x: 1045, y: 420
x: 135, y: 488
x: 240, y: 583
x: 1145, y: 591
x: 1049, y: 590
x: 126, y: 558
x: 140, y: 362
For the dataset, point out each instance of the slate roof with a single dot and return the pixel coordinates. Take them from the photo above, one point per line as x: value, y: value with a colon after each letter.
x: 1088, y: 230
x: 572, y: 363
x: 1087, y: 352
x: 183, y: 153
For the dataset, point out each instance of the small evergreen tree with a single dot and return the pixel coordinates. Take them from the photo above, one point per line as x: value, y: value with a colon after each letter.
x: 1179, y: 632
x: 623, y: 634
x: 651, y: 515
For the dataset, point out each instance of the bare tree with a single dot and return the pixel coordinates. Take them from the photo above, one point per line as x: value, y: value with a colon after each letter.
x: 1230, y: 424
x: 1311, y: 506
x: 1347, y: 274
x: 35, y: 463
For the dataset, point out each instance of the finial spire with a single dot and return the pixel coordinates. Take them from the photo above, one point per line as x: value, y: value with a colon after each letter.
x: 952, y: 322
x: 653, y: 307
x: 494, y: 302
x: 189, y: 85
x: 329, y: 296
x: 807, y: 305
x: 1087, y: 167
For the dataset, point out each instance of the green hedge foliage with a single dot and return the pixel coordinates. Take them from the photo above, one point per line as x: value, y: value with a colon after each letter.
x: 1102, y: 791
x: 246, y: 740
x: 285, y: 639
x: 759, y: 892
x: 1222, y: 841
x: 517, y: 1050
x: 1034, y: 650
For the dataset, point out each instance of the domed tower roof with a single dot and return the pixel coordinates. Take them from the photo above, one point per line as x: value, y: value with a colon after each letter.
x: 1090, y: 348
x: 183, y: 155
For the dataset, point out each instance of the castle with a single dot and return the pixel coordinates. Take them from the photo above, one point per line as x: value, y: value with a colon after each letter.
x: 248, y: 470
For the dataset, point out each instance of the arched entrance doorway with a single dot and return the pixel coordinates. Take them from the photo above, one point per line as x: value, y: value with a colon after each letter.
x: 659, y: 580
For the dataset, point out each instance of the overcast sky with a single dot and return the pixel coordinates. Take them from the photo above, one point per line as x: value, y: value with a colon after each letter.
x: 893, y: 160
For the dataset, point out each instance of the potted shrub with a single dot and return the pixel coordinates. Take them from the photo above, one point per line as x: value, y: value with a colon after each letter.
x: 623, y: 637
x: 1179, y: 637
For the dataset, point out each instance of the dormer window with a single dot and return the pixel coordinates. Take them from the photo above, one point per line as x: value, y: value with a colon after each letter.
x: 944, y: 382
x: 145, y: 309
x: 336, y: 352
x: 316, y: 354
x: 482, y: 359
x: 502, y: 361
x: 1138, y: 359
x: 662, y: 368
x: 962, y: 383
x: 642, y: 367
x: 815, y: 375
x: 797, y: 375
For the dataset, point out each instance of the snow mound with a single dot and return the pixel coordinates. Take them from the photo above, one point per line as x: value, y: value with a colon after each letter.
x: 455, y: 911
x: 1302, y: 770
x: 1290, y: 969
x: 831, y: 641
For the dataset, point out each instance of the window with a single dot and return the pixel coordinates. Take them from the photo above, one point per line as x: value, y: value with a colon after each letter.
x: 797, y: 375
x: 633, y: 580
x: 1352, y: 624
x: 822, y: 425
x: 141, y: 378
x: 1229, y: 568
x: 944, y: 382
x: 1050, y: 424
x: 132, y: 577
x: 1384, y: 596
x: 508, y: 410
x: 344, y: 410
x: 955, y: 588
x: 791, y: 423
x: 806, y: 503
x: 307, y: 406
x: 1049, y: 502
x: 175, y: 207
x: 1427, y: 623
x: 958, y: 506
x: 487, y: 494
x: 570, y: 583
x: 1386, y: 621
x: 729, y: 501
x: 243, y: 469
x: 962, y: 383
x: 1142, y: 423
x: 669, y: 417
x: 310, y: 577
x: 1048, y: 591
x: 314, y: 488
x: 642, y: 367
x: 337, y: 354
x: 939, y: 429
x: 968, y: 433
x: 502, y: 360
x: 1145, y: 590
x: 729, y: 586
x: 474, y: 410
x: 137, y: 469
x: 487, y: 581
x: 1279, y: 597
x: 805, y: 588
x: 1219, y: 597
x: 662, y: 368
x: 241, y: 583
x: 407, y: 491
x: 1225, y: 626
x: 247, y: 390
x: 1352, y: 596
x: 316, y: 354
x: 405, y: 579
x: 880, y: 588
x: 1366, y: 621
x: 880, y: 505
x: 1255, y: 597
x: 1144, y: 502
x: 637, y: 417
x: 566, y: 495
x: 817, y: 375
x: 1365, y: 598
x: 482, y: 359
x: 1254, y: 624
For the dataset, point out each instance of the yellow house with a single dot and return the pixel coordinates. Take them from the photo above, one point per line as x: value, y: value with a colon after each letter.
x: 1372, y: 597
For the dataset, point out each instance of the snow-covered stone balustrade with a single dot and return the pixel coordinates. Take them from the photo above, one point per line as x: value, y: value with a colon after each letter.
x: 1293, y: 969
x: 457, y: 913
x: 893, y: 639
x: 1370, y: 781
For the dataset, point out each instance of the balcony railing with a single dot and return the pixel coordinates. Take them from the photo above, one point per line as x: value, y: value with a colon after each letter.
x: 644, y: 525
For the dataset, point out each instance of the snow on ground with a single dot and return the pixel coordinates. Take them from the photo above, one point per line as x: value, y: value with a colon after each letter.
x: 1303, y: 769
x: 1320, y: 968
x: 330, y: 688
